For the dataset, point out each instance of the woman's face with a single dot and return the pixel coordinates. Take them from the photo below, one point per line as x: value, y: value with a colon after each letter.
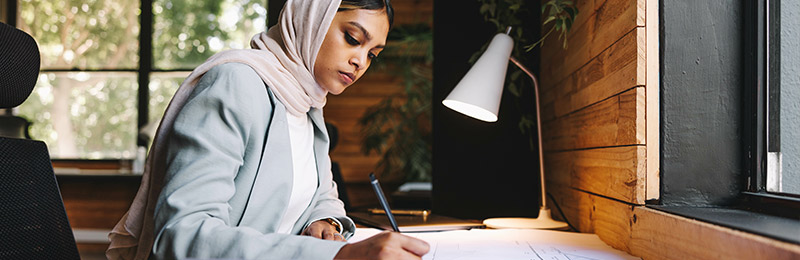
x: 353, y: 40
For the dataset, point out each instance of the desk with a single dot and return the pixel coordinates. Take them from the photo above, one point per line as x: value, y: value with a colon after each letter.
x: 509, y: 244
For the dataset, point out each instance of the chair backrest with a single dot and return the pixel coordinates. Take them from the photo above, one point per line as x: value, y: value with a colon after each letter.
x: 33, y: 222
x: 333, y: 134
x: 19, y: 68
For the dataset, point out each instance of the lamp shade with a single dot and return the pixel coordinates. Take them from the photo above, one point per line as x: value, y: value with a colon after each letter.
x: 478, y: 93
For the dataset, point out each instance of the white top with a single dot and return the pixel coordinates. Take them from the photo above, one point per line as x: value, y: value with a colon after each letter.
x: 301, y: 135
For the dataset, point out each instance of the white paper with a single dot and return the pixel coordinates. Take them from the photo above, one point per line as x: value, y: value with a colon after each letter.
x: 509, y: 244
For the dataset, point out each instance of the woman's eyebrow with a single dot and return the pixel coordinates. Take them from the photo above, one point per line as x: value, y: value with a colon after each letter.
x: 365, y: 32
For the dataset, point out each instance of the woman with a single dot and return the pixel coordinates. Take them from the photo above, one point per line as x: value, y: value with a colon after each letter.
x: 239, y: 167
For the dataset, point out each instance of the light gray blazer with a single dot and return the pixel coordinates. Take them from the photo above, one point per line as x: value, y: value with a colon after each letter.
x: 229, y: 176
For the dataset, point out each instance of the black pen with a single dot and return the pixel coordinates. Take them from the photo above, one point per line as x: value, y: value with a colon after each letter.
x: 377, y: 187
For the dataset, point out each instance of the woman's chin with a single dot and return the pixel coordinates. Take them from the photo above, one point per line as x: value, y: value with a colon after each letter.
x: 336, y: 90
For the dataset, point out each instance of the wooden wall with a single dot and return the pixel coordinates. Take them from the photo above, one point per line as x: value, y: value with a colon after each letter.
x: 345, y: 109
x: 600, y: 159
x: 594, y: 103
x: 600, y: 110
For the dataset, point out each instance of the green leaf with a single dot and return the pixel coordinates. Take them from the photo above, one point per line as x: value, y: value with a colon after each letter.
x: 548, y: 20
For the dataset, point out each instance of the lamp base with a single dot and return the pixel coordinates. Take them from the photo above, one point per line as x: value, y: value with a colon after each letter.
x: 544, y: 221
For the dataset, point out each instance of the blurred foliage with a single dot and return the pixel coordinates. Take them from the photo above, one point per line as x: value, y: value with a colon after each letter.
x: 399, y: 127
x: 513, y: 13
x: 83, y: 34
x: 93, y: 114
x: 187, y: 32
x: 98, y: 130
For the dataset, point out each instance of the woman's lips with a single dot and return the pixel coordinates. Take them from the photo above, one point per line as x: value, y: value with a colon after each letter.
x: 348, y: 78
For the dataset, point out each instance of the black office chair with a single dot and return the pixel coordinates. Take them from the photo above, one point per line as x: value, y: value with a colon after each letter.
x: 14, y: 126
x: 333, y: 133
x: 33, y: 222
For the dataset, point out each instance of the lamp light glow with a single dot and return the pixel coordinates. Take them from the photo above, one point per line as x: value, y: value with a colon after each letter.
x: 471, y: 110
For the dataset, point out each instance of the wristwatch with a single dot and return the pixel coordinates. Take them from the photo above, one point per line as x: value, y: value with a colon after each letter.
x: 334, y: 223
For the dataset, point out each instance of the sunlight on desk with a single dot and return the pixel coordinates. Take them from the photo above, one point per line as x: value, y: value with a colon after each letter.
x: 509, y: 244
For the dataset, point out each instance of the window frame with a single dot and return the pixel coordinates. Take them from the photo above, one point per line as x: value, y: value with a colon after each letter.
x: 760, y: 71
x: 728, y: 195
x: 144, y: 71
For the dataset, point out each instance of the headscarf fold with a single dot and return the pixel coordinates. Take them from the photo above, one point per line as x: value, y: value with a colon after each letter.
x: 283, y: 57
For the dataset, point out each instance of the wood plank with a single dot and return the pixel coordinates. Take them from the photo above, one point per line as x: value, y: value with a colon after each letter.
x: 660, y: 235
x: 97, y: 202
x: 586, y: 10
x: 652, y: 234
x: 617, y: 121
x: 356, y: 169
x: 609, y: 219
x: 653, y: 103
x: 413, y: 11
x: 616, y: 172
x: 612, y: 20
x: 615, y: 70
x: 577, y: 206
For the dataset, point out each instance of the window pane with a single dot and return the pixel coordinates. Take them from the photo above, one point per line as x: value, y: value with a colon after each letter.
x: 786, y: 178
x: 83, y: 34
x: 186, y: 33
x: 86, y: 115
x: 162, y: 87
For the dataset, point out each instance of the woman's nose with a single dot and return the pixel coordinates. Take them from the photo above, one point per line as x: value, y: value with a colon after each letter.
x: 356, y: 62
x: 359, y: 60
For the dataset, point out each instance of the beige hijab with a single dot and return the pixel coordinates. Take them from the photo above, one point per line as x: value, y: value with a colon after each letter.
x: 283, y: 57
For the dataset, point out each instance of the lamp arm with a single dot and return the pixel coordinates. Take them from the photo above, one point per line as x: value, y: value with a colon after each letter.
x: 538, y: 128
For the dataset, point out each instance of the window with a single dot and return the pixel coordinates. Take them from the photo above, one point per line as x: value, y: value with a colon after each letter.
x: 772, y: 121
x: 89, y: 102
x: 783, y: 97
x: 714, y: 117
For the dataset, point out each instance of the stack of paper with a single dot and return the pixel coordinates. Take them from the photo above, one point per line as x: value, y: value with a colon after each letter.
x: 509, y: 244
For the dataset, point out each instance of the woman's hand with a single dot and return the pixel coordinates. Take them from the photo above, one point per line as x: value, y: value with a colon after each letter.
x: 323, y: 230
x: 385, y: 245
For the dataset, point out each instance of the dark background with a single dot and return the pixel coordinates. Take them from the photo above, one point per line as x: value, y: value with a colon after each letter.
x: 480, y: 169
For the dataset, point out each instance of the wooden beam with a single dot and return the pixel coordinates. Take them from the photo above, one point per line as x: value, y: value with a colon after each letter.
x: 660, y: 235
x: 611, y: 20
x: 652, y: 234
x: 617, y: 121
x: 616, y: 172
x: 609, y: 219
x: 618, y: 68
x: 653, y: 103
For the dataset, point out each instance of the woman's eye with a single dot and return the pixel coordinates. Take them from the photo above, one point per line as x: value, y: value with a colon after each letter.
x: 350, y: 39
x: 371, y: 55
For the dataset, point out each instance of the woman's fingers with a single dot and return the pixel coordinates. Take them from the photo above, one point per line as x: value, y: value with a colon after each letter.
x: 323, y: 230
x: 327, y: 235
x: 315, y: 229
x: 386, y: 245
x: 332, y: 235
x: 416, y: 246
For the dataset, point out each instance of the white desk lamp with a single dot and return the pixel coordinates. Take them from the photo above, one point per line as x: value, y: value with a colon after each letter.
x: 478, y: 95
